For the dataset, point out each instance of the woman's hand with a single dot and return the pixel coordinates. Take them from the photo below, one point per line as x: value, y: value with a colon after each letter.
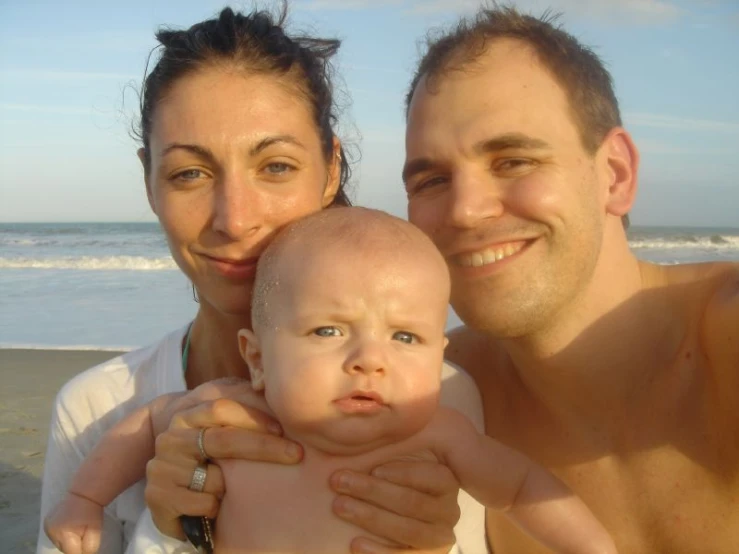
x: 411, y: 503
x: 234, y: 430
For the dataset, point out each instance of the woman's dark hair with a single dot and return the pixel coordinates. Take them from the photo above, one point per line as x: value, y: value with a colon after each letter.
x: 256, y: 41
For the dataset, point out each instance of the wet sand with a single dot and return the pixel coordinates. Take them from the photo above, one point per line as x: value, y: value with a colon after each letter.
x: 29, y: 381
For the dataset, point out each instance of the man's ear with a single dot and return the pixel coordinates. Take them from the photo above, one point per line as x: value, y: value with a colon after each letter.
x: 333, y: 180
x: 621, y: 164
x: 252, y: 355
x: 149, y: 194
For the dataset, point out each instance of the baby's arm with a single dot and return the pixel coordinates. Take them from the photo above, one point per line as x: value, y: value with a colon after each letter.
x: 504, y: 479
x: 117, y: 462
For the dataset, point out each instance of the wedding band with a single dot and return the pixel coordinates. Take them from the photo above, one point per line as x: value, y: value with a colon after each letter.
x: 201, y: 445
x: 197, y: 482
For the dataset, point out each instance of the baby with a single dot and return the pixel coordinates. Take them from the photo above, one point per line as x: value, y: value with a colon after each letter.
x: 346, y: 350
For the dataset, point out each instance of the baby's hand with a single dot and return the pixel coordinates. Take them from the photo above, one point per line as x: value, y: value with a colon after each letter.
x: 74, y: 525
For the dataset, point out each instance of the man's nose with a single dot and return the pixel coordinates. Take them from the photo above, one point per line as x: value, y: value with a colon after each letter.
x: 475, y: 197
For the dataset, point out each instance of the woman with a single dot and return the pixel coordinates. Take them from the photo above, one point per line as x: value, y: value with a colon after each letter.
x: 237, y: 130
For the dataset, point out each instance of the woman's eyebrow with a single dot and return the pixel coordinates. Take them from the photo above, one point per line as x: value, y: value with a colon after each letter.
x: 269, y: 141
x: 200, y: 151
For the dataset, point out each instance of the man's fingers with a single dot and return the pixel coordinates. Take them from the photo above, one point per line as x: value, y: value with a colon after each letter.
x: 363, y: 545
x: 402, y: 530
x: 398, y: 499
x: 429, y: 477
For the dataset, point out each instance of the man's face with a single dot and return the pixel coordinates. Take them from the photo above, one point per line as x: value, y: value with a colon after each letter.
x: 497, y: 176
x: 353, y: 350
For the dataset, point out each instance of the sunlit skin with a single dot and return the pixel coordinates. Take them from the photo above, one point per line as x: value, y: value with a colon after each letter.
x: 618, y: 375
x: 225, y: 175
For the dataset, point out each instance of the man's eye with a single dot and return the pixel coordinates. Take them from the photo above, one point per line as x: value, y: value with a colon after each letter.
x: 327, y: 332
x: 425, y: 184
x: 514, y: 164
x: 405, y: 336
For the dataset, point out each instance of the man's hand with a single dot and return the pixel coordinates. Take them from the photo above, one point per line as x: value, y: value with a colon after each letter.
x: 411, y: 503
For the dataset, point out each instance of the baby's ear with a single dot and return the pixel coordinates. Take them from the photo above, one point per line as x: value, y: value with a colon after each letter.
x: 252, y: 355
x: 446, y: 341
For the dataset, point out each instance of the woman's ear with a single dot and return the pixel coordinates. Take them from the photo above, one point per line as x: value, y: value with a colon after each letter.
x: 621, y: 160
x: 141, y: 153
x: 333, y: 179
x: 252, y: 355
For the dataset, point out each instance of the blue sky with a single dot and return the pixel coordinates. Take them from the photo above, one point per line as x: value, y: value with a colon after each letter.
x: 69, y: 72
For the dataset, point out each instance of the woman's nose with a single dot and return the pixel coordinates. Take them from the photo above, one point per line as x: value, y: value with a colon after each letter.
x: 238, y: 207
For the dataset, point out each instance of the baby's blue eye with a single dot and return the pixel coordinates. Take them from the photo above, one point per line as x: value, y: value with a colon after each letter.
x: 327, y: 332
x: 405, y: 336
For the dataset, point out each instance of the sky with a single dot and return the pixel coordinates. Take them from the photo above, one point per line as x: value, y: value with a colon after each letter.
x: 70, y: 72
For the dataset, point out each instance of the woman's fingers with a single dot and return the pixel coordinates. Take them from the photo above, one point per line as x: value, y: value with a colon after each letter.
x: 225, y: 412
x: 181, y: 445
x: 165, y: 472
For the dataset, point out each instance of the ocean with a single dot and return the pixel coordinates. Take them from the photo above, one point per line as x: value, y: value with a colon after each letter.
x: 115, y: 286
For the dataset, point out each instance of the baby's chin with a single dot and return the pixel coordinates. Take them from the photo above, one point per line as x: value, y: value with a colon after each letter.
x: 357, y: 436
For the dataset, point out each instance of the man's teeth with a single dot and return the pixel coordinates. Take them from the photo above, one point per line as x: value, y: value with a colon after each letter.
x: 489, y: 255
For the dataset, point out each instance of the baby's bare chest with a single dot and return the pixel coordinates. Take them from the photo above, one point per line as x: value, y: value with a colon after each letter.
x: 281, y: 510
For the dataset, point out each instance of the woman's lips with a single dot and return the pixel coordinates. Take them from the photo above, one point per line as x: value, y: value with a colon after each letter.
x: 360, y: 402
x: 234, y: 269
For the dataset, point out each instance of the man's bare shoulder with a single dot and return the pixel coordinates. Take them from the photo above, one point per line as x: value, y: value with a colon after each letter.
x: 720, y: 322
x: 472, y: 350
x: 714, y: 292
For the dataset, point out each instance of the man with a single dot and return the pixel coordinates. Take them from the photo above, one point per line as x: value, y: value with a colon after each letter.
x: 620, y: 376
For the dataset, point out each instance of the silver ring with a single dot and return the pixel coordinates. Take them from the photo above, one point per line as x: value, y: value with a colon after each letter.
x: 197, y: 482
x: 201, y: 445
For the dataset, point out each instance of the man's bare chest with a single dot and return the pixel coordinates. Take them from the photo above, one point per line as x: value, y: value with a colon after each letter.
x: 669, y: 483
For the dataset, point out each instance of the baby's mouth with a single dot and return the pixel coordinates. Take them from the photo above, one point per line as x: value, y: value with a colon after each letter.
x: 361, y: 402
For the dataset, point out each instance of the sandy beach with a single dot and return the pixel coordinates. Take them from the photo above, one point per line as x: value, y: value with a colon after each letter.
x: 30, y: 380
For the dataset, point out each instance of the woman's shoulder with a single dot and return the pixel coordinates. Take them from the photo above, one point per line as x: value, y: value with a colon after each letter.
x: 129, y: 380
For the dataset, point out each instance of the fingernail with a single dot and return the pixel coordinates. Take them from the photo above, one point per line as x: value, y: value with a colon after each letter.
x: 293, y: 451
x: 343, y: 482
x: 346, y: 507
x: 274, y: 428
x: 363, y: 547
x: 380, y: 473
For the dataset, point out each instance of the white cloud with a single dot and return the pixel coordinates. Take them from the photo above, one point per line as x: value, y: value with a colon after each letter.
x: 642, y: 119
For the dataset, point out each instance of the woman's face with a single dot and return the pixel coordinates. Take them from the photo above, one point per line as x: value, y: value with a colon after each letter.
x: 234, y: 157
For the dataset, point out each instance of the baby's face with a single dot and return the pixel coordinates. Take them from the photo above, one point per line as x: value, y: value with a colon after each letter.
x: 353, y: 350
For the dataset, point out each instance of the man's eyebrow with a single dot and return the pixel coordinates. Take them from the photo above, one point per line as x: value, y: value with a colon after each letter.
x: 416, y: 166
x: 510, y: 141
x: 494, y: 144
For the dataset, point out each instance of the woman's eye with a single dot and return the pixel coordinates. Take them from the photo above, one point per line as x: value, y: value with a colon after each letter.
x: 405, y: 336
x: 189, y: 174
x: 327, y: 332
x: 278, y: 168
